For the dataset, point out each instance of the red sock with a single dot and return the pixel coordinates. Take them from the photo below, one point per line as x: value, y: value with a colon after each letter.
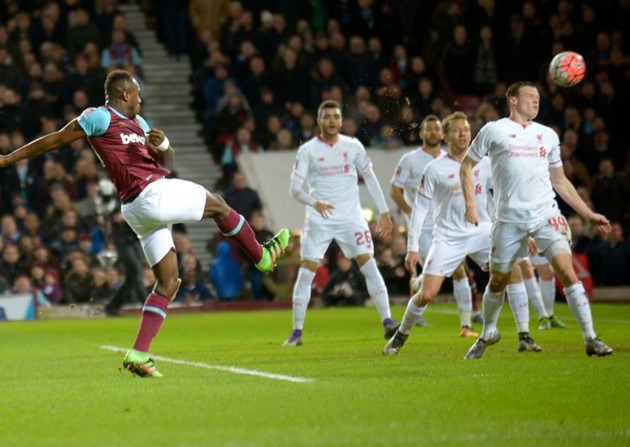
x: 153, y: 314
x: 236, y: 227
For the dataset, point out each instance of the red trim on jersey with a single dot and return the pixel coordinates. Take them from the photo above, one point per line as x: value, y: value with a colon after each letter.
x: 524, y: 126
x: 331, y: 144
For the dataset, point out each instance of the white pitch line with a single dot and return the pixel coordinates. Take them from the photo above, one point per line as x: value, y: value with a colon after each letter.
x: 232, y: 369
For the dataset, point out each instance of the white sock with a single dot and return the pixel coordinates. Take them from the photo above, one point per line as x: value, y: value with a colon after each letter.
x: 301, y: 296
x: 463, y: 296
x: 517, y: 296
x: 578, y: 302
x: 376, y: 288
x: 491, y: 308
x: 413, y: 313
x: 548, y: 291
x: 535, y: 297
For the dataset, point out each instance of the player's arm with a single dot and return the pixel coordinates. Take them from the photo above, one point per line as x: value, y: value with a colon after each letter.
x: 466, y: 179
x: 418, y: 216
x: 384, y: 224
x: 565, y: 189
x: 54, y: 140
x: 397, y: 195
x: 160, y: 148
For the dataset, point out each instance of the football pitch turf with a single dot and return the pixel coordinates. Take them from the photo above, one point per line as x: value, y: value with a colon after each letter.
x: 228, y: 382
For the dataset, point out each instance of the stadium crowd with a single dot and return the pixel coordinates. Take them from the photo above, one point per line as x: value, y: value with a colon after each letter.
x: 259, y: 71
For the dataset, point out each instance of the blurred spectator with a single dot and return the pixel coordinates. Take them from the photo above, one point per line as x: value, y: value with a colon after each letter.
x: 174, y: 21
x: 11, y: 265
x: 22, y: 286
x: 120, y: 54
x: 106, y: 291
x: 613, y: 257
x: 242, y: 143
x: 225, y: 274
x: 208, y: 15
x: 81, y: 32
x: 486, y: 71
x: 192, y: 289
x: 609, y: 195
x: 46, y: 280
x: 459, y: 63
x: 78, y: 285
x: 346, y: 286
x: 243, y: 199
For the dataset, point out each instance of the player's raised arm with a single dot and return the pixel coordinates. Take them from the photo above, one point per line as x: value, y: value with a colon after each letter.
x: 54, y: 140
x: 465, y: 174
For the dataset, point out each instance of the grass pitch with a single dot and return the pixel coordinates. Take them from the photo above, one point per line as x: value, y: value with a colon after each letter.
x: 232, y: 384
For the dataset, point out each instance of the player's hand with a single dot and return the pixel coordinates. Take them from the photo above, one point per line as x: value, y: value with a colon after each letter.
x: 600, y: 222
x: 532, y: 248
x: 411, y: 261
x: 472, y: 216
x: 384, y: 224
x: 324, y: 209
x: 3, y: 161
x: 156, y: 136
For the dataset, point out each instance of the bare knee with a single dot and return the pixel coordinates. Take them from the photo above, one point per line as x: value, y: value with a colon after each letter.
x: 563, y: 267
x: 567, y: 275
x: 498, y: 281
x: 216, y: 208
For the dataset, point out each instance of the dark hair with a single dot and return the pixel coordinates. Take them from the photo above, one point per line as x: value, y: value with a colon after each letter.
x: 328, y: 104
x: 117, y: 82
x: 429, y: 119
x: 514, y: 89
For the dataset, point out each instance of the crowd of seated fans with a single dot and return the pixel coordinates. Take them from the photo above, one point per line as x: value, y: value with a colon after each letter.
x: 258, y: 76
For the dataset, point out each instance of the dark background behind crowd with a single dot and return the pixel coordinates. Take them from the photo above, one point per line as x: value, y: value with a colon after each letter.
x: 260, y: 68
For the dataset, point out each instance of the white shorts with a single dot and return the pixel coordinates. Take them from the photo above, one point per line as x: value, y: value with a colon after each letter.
x: 444, y: 257
x: 354, y: 239
x: 161, y: 204
x: 509, y: 240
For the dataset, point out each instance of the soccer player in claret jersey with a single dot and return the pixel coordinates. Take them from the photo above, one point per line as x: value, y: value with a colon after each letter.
x: 403, y: 190
x: 325, y: 178
x: 526, y: 169
x: 137, y: 160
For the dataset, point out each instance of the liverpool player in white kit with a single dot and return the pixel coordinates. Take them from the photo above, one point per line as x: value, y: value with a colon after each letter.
x: 453, y: 237
x: 137, y: 160
x: 403, y: 190
x: 526, y: 169
x: 325, y: 179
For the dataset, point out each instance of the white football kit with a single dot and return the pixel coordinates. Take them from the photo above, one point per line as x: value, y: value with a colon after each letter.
x: 520, y: 157
x: 453, y: 237
x: 330, y: 174
x: 407, y: 176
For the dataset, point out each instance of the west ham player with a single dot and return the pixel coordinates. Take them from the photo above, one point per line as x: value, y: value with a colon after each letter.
x: 526, y: 169
x: 403, y: 190
x: 325, y: 179
x: 137, y: 160
x: 453, y: 238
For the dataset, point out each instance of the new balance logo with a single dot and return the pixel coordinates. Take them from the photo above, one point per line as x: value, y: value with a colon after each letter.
x: 132, y: 138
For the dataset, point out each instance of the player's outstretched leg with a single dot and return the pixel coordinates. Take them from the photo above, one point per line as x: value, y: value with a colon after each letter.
x: 272, y: 249
x: 140, y: 364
